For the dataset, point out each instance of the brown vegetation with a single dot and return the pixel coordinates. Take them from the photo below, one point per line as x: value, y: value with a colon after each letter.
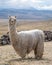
x: 8, y: 55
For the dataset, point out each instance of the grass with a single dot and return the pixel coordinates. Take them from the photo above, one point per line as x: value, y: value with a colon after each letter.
x: 26, y: 25
x: 9, y: 57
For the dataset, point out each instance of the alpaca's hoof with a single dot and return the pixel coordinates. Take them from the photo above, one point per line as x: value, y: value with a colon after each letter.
x: 38, y: 58
x: 22, y: 57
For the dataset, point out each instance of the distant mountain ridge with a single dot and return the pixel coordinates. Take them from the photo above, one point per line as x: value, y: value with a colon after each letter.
x: 31, y: 14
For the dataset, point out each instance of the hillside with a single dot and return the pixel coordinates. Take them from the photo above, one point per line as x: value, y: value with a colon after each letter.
x: 32, y: 14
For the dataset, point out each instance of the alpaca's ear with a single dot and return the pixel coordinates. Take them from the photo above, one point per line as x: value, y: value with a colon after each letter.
x: 15, y: 16
x: 9, y: 17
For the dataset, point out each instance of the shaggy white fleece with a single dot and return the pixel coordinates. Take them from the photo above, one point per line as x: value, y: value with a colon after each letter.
x: 26, y: 41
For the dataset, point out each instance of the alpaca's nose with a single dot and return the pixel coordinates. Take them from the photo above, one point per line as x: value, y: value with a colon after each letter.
x: 12, y: 21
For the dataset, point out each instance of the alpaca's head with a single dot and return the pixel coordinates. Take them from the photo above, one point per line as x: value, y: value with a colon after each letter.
x: 12, y: 20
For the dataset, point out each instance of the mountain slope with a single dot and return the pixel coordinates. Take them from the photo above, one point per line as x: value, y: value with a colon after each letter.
x: 26, y: 14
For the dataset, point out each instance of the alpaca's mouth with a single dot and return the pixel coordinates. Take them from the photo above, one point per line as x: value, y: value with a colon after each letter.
x: 11, y: 23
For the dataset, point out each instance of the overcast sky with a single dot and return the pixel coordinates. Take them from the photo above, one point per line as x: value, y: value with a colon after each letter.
x: 39, y: 4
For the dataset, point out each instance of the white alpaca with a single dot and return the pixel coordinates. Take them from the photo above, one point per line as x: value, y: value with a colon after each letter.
x: 26, y: 41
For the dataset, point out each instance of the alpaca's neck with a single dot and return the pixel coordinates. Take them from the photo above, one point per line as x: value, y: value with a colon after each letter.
x: 13, y: 33
x: 12, y: 30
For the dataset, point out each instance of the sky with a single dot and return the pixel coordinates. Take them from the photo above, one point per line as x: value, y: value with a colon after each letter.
x: 25, y: 4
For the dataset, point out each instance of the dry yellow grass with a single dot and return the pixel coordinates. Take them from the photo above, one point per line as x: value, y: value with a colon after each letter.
x: 9, y: 57
x: 26, y: 25
x: 35, y: 25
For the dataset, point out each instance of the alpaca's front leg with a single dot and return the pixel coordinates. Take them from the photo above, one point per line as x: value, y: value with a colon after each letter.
x: 22, y: 56
x: 23, y: 53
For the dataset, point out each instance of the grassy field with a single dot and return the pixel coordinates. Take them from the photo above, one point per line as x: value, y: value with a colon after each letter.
x: 26, y: 25
x: 9, y: 57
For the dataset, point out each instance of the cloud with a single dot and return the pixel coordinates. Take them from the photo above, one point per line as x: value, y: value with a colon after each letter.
x: 39, y: 4
x: 46, y: 7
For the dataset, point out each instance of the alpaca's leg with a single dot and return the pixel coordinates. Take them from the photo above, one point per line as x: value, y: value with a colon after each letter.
x: 23, y: 56
x: 39, y: 50
x: 23, y: 53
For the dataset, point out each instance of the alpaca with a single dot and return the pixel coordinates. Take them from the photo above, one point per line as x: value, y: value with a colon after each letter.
x: 26, y: 41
